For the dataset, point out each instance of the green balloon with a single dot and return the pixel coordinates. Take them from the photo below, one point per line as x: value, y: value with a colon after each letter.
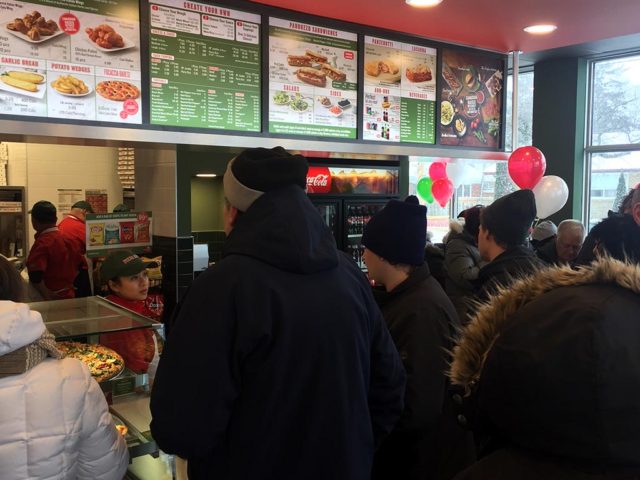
x: 424, y: 189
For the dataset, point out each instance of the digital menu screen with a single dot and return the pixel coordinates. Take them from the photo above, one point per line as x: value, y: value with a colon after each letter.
x: 77, y: 60
x: 313, y: 80
x: 204, y: 66
x: 399, y: 92
x: 471, y: 99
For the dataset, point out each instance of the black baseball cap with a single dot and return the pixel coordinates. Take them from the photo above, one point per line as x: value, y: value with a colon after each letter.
x: 83, y: 204
x: 44, y: 211
x: 123, y: 263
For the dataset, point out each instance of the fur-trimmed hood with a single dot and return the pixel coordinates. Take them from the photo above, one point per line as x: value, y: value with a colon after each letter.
x: 551, y: 364
x: 492, y: 317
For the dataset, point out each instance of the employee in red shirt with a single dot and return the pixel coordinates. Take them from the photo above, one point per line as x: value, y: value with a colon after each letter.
x: 73, y: 228
x: 126, y: 275
x: 52, y: 262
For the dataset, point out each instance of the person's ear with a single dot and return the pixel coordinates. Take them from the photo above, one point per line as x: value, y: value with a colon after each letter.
x: 636, y: 213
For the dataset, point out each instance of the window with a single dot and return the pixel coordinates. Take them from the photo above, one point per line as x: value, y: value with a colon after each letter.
x: 481, y: 182
x: 525, y: 110
x: 612, y: 154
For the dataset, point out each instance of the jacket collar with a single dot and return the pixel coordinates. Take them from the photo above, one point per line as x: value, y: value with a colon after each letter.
x: 493, y: 317
x: 417, y: 276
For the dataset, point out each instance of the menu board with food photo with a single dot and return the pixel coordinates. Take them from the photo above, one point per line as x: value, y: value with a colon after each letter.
x: 111, y: 231
x: 313, y: 80
x: 78, y: 63
x: 471, y: 99
x: 399, y: 91
x: 204, y: 66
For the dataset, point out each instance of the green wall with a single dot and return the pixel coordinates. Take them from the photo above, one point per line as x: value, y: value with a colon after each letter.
x: 207, y: 198
x: 559, y: 106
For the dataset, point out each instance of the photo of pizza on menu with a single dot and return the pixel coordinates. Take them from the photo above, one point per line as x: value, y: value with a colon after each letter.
x: 471, y: 95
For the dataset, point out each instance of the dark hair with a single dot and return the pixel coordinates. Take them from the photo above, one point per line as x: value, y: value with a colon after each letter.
x: 619, y: 236
x: 11, y: 285
x: 472, y: 220
x: 627, y: 202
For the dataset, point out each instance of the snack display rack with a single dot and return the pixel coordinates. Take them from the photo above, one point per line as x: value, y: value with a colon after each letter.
x: 84, y: 320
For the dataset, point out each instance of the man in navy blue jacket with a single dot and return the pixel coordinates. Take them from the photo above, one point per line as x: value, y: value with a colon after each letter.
x: 279, y: 364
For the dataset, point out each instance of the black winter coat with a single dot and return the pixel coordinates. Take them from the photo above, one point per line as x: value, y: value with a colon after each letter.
x: 279, y: 365
x: 513, y: 263
x: 462, y: 262
x: 552, y: 371
x: 427, y: 443
x: 548, y: 253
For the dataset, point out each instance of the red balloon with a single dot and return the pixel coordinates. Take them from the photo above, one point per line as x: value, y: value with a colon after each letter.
x: 527, y: 166
x: 442, y: 191
x: 437, y: 171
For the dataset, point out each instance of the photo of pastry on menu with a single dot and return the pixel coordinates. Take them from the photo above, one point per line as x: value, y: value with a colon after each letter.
x: 471, y: 99
x: 80, y: 64
x: 312, y: 80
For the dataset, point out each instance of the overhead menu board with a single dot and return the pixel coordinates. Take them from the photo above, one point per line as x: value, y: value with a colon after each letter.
x: 399, y: 91
x: 313, y: 80
x: 77, y: 60
x: 471, y: 99
x: 204, y: 66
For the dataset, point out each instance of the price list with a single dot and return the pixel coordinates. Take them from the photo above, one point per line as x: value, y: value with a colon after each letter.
x: 204, y: 66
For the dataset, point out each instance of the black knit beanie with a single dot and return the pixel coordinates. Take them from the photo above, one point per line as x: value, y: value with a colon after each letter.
x: 398, y: 232
x: 510, y: 217
x: 259, y: 170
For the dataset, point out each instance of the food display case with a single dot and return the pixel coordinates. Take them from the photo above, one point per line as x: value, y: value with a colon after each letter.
x: 85, y: 320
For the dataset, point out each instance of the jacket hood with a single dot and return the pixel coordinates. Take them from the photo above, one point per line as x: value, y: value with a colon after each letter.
x: 19, y: 326
x: 552, y: 363
x: 283, y: 228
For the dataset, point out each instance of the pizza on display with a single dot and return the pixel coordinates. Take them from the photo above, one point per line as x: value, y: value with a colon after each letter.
x: 103, y: 362
x: 117, y: 90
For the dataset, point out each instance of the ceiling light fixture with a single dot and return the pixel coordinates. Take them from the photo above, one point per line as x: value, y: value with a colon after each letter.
x: 206, y: 175
x: 423, y: 3
x: 541, y: 29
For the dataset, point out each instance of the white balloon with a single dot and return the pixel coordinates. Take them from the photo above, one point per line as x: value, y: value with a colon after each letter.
x: 551, y: 195
x: 456, y: 173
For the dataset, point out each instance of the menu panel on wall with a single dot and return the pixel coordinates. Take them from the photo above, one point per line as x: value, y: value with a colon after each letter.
x: 313, y: 80
x: 71, y: 59
x: 204, y: 66
x: 471, y: 99
x: 399, y: 91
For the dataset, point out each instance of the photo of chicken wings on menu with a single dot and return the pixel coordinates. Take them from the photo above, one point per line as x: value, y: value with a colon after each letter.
x: 105, y: 37
x: 34, y: 27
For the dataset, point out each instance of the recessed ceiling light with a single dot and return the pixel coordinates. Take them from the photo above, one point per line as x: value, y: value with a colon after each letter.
x: 423, y: 3
x: 206, y: 175
x: 541, y: 29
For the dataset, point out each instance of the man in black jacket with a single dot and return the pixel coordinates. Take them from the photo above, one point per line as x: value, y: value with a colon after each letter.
x: 427, y: 443
x: 279, y: 364
x: 504, y: 227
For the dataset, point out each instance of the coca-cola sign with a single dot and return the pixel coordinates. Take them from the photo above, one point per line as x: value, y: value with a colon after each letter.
x: 318, y: 180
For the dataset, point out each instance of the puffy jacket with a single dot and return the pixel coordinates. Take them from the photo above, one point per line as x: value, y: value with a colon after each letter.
x: 462, y: 263
x: 551, y: 372
x: 54, y: 420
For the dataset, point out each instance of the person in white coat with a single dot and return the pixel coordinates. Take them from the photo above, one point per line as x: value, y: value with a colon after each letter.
x: 54, y: 420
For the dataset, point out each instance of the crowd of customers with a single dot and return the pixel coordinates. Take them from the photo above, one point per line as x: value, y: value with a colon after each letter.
x: 519, y: 359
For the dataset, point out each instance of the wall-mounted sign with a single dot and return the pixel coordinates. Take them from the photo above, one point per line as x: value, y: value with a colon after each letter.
x: 75, y: 60
x: 112, y: 231
x: 471, y: 99
x: 399, y: 92
x: 204, y: 66
x: 313, y: 80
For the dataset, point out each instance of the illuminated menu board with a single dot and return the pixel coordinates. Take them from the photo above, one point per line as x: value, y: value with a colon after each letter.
x: 313, y: 80
x: 399, y: 91
x: 471, y: 99
x: 75, y: 60
x: 204, y: 66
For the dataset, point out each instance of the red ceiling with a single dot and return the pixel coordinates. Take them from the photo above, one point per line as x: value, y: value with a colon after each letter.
x: 495, y: 24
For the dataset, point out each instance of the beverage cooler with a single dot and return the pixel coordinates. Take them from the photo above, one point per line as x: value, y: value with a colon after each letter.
x: 347, y: 197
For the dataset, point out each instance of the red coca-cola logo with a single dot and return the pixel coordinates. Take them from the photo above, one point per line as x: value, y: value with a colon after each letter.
x: 318, y: 180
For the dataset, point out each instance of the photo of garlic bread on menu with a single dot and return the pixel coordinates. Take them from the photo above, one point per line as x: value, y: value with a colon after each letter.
x: 23, y: 83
